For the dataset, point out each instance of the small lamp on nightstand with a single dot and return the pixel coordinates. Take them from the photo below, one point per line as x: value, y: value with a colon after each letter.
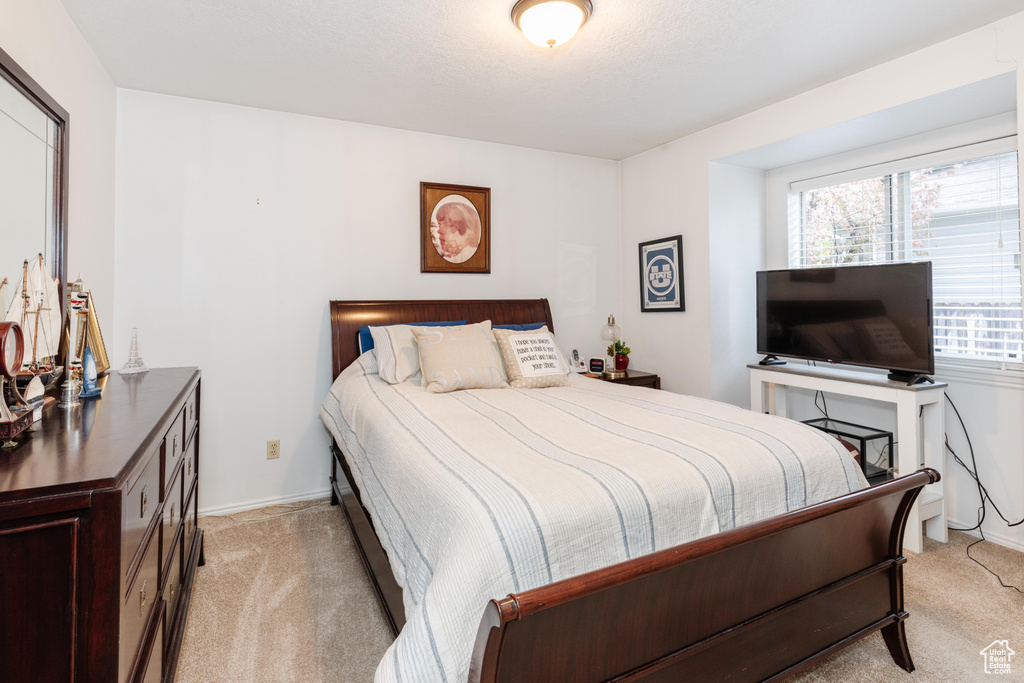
x: 610, y: 334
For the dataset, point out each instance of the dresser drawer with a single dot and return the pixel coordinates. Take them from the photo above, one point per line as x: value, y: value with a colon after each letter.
x: 139, y: 504
x: 137, y: 605
x: 172, y: 588
x: 190, y: 523
x: 174, y: 446
x: 191, y: 412
x: 191, y: 466
x: 152, y: 671
x: 171, y: 522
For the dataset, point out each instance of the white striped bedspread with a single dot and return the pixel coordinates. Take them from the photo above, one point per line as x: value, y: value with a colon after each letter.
x: 477, y: 494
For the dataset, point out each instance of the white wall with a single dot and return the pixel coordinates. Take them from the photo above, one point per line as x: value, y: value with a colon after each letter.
x: 664, y: 195
x: 45, y: 42
x: 212, y: 278
x: 667, y: 190
x: 736, y: 235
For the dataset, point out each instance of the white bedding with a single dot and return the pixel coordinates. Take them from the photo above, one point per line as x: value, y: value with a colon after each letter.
x: 477, y: 494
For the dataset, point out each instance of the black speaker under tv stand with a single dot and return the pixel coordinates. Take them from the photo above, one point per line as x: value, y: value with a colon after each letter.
x: 771, y: 360
x: 911, y: 378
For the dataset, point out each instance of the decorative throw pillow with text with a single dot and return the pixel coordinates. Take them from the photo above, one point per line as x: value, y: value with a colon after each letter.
x: 532, y: 359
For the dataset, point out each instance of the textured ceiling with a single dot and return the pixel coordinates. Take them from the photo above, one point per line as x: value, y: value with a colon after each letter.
x: 640, y: 73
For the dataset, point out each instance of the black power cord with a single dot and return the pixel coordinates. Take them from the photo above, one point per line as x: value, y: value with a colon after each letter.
x: 823, y: 411
x: 880, y: 455
x: 983, y: 494
x: 823, y: 408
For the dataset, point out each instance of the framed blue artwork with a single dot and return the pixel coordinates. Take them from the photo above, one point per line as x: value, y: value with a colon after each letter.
x: 661, y: 275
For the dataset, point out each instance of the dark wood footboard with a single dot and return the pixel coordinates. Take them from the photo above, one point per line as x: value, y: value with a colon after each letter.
x: 751, y: 604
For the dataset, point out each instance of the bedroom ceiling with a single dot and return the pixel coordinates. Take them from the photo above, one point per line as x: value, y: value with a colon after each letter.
x: 640, y: 72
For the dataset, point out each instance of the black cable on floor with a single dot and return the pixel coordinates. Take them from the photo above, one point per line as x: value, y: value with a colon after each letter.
x: 982, y: 494
x: 973, y: 559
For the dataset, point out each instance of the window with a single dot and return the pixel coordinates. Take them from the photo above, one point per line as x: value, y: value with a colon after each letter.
x: 960, y: 214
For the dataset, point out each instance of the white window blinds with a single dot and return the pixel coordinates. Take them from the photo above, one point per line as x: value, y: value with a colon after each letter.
x: 962, y: 215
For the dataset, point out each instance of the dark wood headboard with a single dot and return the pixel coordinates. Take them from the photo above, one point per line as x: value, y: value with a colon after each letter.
x: 348, y: 316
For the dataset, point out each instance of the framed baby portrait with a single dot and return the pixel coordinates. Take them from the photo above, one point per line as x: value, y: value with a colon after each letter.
x: 455, y: 228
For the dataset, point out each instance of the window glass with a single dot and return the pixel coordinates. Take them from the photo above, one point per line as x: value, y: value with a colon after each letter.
x: 963, y: 217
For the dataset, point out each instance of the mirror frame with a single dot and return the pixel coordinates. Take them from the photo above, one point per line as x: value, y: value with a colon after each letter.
x: 28, y: 87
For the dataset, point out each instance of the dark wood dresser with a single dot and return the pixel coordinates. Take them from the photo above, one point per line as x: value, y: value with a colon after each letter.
x: 98, y: 536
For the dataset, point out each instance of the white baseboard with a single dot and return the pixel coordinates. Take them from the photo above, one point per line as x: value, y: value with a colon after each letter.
x: 253, y: 504
x: 994, y: 536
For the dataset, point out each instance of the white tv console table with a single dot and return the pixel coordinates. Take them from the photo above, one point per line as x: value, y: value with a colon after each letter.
x: 921, y: 440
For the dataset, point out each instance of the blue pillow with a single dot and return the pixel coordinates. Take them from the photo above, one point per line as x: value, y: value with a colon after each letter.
x: 366, y: 339
x: 519, y: 328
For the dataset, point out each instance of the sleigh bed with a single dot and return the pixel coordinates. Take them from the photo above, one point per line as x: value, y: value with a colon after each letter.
x: 758, y: 601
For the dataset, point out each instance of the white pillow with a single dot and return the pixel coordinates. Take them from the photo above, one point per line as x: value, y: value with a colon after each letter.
x: 398, y: 357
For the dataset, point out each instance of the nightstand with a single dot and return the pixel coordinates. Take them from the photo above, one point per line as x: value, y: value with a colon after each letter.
x: 637, y: 378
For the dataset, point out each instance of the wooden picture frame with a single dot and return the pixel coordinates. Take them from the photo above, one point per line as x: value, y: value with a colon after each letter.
x: 661, y: 275
x: 455, y: 228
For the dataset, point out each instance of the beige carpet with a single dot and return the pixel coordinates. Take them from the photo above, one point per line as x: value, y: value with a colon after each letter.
x: 284, y: 597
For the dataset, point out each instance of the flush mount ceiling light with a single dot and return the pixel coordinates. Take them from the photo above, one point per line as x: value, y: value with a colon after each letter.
x: 550, y: 22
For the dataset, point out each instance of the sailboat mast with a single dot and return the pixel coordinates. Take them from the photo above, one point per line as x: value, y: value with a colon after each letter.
x: 26, y: 309
x: 24, y: 294
x: 41, y: 289
x: 39, y: 296
x: 39, y: 309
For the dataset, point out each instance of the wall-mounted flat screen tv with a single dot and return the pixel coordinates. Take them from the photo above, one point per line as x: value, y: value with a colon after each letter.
x: 877, y: 316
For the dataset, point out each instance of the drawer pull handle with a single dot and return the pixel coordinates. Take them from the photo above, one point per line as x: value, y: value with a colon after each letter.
x: 172, y: 514
x: 172, y: 592
x: 174, y: 453
x: 145, y: 501
x: 190, y: 467
x: 191, y: 410
x: 142, y: 598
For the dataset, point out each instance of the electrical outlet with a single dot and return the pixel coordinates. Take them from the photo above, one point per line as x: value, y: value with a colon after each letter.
x: 273, y: 449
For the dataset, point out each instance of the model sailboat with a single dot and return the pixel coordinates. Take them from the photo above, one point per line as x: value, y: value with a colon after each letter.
x: 36, y: 307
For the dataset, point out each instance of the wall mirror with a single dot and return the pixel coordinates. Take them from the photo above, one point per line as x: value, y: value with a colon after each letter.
x: 33, y: 181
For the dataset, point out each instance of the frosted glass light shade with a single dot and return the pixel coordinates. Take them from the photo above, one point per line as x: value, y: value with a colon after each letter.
x: 611, y: 331
x: 550, y: 22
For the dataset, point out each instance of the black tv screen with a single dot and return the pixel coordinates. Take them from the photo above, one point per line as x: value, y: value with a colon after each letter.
x: 876, y: 316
